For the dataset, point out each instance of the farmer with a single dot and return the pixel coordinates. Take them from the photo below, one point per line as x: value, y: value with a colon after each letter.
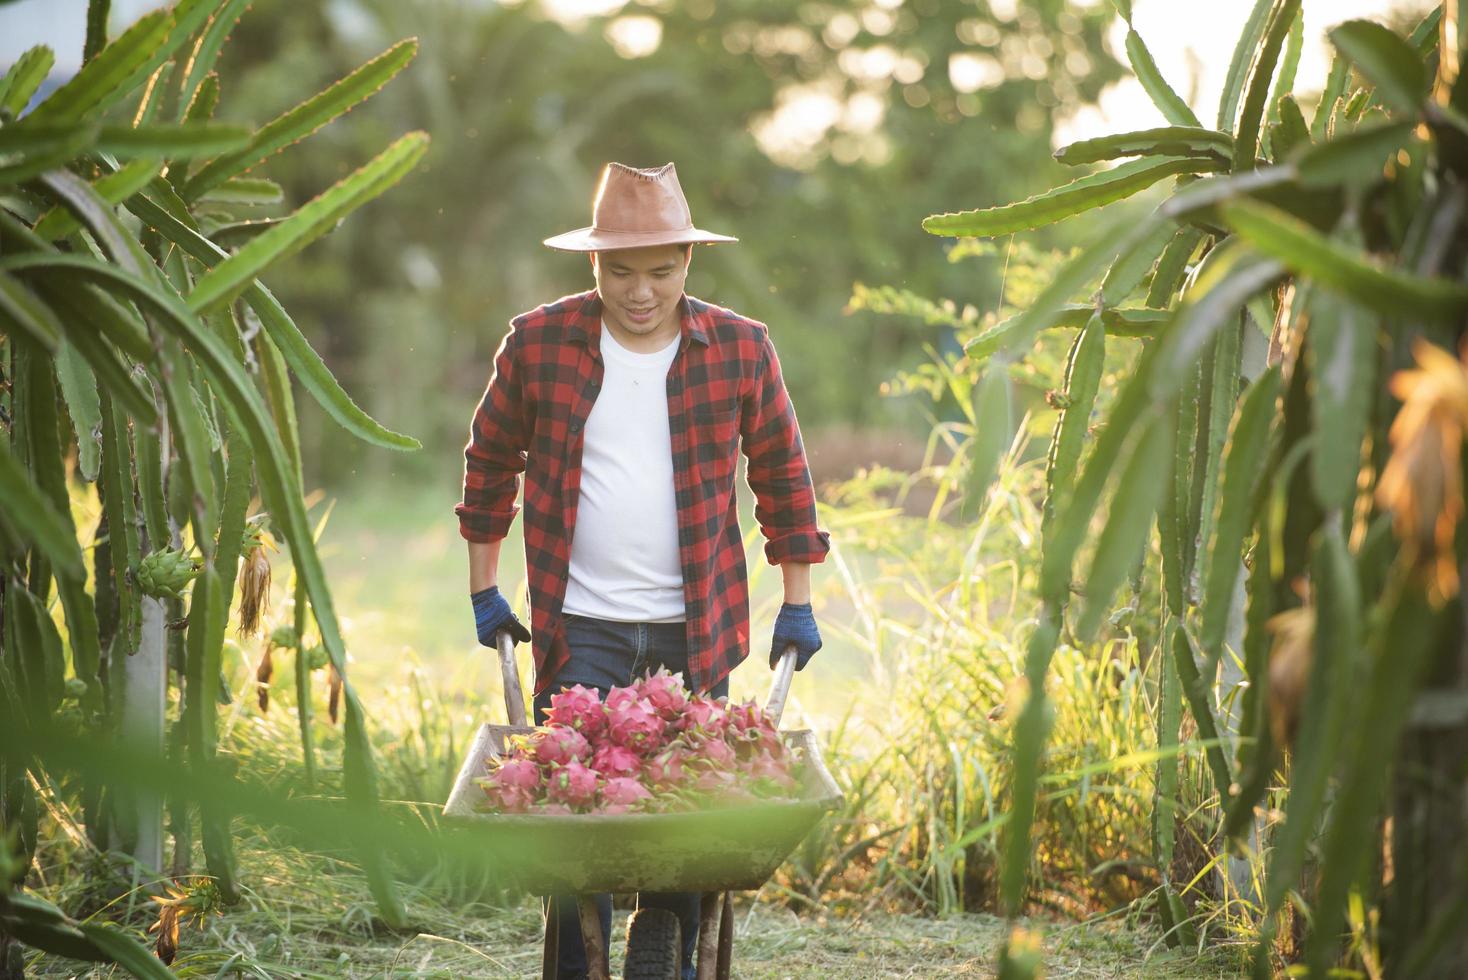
x: 625, y: 407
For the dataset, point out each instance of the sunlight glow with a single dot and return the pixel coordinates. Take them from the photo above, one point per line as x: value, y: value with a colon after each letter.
x: 635, y: 36
x: 1192, y: 44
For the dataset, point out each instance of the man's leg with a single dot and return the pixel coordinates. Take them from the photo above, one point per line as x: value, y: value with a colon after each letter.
x: 669, y: 649
x: 600, y: 659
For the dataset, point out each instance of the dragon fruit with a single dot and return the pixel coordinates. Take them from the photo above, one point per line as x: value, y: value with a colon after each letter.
x: 772, y: 769
x: 632, y: 721
x: 665, y: 692
x: 573, y: 784
x: 715, y: 751
x: 612, y: 760
x: 646, y: 747
x: 622, y: 793
x: 580, y: 708
x: 665, y: 770
x: 559, y: 746
x: 513, y: 785
x: 706, y: 715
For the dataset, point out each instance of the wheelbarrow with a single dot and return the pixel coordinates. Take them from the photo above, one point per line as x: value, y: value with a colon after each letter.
x: 714, y: 851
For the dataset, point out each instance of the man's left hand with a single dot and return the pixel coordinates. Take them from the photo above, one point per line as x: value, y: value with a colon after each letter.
x: 796, y: 624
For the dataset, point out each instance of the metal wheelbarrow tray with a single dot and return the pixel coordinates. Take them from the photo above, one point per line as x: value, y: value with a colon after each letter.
x: 732, y: 848
x: 713, y: 851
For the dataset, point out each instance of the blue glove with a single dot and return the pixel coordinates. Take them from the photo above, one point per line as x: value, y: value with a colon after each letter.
x: 795, y: 624
x: 492, y: 614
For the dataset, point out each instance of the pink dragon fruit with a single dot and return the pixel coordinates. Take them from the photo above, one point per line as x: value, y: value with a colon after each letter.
x: 612, y: 760
x: 519, y: 773
x: 513, y: 785
x: 557, y: 746
x: 580, y: 708
x: 572, y: 784
x: 632, y: 721
x: 713, y: 751
x: 704, y: 714
x: 715, y: 782
x: 622, y: 793
x: 775, y: 770
x: 665, y: 692
x: 665, y: 770
x: 508, y: 799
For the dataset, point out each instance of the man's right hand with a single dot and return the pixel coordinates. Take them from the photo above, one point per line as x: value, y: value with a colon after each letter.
x: 492, y: 614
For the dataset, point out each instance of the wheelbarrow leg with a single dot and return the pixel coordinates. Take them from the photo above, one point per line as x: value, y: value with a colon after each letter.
x: 597, y: 967
x: 726, y: 937
x: 548, y: 963
x: 708, y: 936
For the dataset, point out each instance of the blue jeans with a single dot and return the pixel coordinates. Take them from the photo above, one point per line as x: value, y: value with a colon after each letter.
x: 607, y: 654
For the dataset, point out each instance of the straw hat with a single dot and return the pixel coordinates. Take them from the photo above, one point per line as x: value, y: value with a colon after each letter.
x: 634, y: 209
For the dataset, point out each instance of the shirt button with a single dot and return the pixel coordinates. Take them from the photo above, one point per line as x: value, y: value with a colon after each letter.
x: 575, y: 426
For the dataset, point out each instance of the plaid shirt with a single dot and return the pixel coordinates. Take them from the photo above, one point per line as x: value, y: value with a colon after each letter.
x: 724, y: 388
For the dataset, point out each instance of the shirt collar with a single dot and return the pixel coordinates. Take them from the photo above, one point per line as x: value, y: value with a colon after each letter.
x: 584, y: 325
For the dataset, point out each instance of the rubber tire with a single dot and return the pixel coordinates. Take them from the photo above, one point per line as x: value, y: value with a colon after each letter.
x: 654, y: 946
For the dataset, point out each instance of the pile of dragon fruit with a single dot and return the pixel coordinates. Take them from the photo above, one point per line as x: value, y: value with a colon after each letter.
x: 651, y: 746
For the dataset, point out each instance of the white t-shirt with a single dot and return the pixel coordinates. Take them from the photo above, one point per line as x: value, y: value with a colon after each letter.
x: 624, y: 550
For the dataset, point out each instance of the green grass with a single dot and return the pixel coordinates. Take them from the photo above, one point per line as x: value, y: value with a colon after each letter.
x: 924, y: 623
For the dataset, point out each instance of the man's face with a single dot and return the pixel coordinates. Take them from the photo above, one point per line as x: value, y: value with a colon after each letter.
x: 640, y: 287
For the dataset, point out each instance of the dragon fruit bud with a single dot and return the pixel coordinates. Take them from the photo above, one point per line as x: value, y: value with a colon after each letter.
x: 522, y: 774
x: 578, y: 707
x: 665, y: 769
x: 559, y: 809
x: 559, y: 746
x: 632, y: 722
x: 613, y: 760
x: 665, y: 692
x: 572, y: 784
x: 622, y: 793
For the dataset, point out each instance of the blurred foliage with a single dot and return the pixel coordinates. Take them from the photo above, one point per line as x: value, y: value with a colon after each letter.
x: 524, y: 109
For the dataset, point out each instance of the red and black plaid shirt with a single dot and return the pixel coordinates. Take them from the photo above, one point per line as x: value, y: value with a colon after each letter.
x: 724, y: 388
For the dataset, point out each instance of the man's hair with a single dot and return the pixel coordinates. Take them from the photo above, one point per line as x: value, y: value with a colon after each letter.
x: 687, y: 248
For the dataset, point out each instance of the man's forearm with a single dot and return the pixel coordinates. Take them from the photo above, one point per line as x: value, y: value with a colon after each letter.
x: 797, y: 581
x: 484, y: 562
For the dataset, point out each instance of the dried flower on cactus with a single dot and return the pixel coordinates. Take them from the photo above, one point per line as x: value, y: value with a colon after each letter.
x: 1422, y: 484
x: 1289, y: 668
x: 334, y: 695
x: 263, y: 673
x: 254, y: 576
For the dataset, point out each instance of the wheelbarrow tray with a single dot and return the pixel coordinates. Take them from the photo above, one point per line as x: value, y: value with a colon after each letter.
x: 726, y: 848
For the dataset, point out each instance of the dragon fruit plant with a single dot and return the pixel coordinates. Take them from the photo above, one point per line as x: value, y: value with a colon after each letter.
x: 650, y: 746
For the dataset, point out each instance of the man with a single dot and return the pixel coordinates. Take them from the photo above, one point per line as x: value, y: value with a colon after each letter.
x: 624, y: 407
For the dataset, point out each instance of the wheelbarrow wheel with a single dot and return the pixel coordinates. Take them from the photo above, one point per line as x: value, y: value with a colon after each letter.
x: 654, y: 946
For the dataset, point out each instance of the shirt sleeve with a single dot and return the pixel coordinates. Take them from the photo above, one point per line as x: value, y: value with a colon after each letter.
x: 785, y: 499
x: 495, y: 455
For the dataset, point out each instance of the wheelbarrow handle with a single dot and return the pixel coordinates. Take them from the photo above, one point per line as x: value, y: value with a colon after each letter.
x: 780, y: 687
x: 510, y: 675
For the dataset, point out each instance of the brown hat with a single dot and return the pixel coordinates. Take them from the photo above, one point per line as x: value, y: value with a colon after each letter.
x: 634, y: 209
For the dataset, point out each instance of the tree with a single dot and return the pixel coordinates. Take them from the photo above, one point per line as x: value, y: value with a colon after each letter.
x: 135, y: 327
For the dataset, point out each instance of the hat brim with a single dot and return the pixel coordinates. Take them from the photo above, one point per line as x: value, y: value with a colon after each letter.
x: 591, y: 239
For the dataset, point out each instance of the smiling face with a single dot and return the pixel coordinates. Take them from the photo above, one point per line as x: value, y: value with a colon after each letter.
x: 640, y: 289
